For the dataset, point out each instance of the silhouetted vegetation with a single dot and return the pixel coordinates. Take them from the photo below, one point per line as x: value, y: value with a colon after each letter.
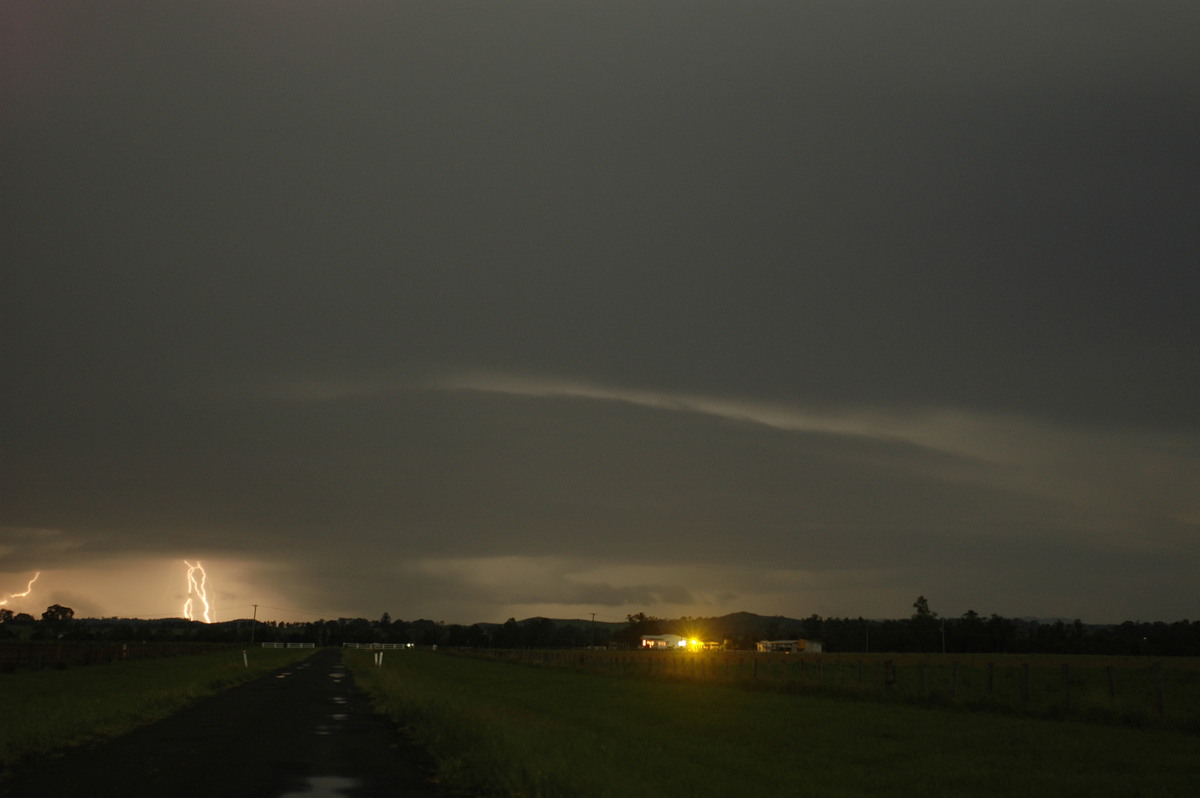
x: 923, y: 631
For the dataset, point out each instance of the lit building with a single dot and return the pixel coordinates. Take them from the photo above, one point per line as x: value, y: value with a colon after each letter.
x: 664, y: 642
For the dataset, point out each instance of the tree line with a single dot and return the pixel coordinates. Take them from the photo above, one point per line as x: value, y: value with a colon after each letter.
x: 923, y: 631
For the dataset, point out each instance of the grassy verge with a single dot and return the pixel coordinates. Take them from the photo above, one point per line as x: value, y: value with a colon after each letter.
x: 508, y: 729
x: 43, y: 711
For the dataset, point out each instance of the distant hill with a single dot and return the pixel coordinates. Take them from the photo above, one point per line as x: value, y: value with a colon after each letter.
x: 578, y: 623
x: 737, y: 625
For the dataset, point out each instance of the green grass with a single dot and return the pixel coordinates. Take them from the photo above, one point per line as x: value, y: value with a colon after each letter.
x: 44, y: 711
x: 509, y: 729
x: 1142, y: 692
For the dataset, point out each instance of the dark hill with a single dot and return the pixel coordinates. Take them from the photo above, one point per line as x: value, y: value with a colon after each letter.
x: 735, y: 626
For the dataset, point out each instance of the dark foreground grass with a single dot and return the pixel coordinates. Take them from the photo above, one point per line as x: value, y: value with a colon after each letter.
x: 1132, y: 691
x: 44, y: 711
x: 501, y: 728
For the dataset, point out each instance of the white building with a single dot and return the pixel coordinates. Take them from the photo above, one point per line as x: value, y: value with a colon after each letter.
x: 657, y: 642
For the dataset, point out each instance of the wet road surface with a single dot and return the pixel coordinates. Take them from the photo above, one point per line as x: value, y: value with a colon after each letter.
x: 304, y: 730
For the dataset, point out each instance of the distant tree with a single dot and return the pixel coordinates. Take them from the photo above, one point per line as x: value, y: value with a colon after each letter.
x: 399, y: 632
x: 923, y: 613
x: 814, y: 627
x: 971, y: 633
x: 456, y: 636
x: 538, y: 633
x: 639, y: 624
x: 55, y: 621
x: 426, y: 633
x: 924, y: 625
x: 476, y: 637
x: 507, y: 635
x: 356, y: 630
x: 1184, y: 638
x: 6, y: 615
x: 329, y: 633
x: 1001, y: 634
x: 57, y: 614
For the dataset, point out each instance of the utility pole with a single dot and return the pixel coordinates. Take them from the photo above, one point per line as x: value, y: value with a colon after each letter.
x: 593, y: 643
x: 253, y: 623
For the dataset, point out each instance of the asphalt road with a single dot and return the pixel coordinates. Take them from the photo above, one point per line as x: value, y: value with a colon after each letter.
x: 304, y: 730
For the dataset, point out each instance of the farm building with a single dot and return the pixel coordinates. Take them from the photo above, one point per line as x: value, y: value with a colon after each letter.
x: 790, y: 646
x: 663, y: 641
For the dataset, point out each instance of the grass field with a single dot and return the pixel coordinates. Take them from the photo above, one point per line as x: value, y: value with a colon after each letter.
x: 505, y: 728
x: 1125, y: 690
x: 47, y: 710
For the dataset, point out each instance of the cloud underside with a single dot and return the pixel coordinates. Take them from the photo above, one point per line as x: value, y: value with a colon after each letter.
x: 535, y: 494
x: 456, y: 305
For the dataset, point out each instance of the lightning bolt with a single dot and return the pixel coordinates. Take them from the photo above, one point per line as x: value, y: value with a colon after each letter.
x: 28, y: 589
x: 196, y: 587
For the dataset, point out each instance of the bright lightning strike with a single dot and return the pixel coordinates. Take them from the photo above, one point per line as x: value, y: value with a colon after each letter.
x: 28, y: 589
x: 196, y: 587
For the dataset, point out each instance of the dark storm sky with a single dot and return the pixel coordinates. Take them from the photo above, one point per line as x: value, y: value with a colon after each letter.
x: 478, y: 309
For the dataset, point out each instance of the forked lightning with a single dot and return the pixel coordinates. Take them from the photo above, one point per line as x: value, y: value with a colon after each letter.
x: 196, y: 588
x: 28, y: 589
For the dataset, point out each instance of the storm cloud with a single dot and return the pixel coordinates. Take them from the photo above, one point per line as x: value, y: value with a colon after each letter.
x: 474, y: 310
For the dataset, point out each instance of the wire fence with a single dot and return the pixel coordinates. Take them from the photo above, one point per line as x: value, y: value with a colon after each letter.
x: 1126, y: 690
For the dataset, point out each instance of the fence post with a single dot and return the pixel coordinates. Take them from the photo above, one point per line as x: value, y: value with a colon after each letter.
x: 1025, y: 685
x: 1066, y: 684
x: 1160, y: 703
x: 889, y: 674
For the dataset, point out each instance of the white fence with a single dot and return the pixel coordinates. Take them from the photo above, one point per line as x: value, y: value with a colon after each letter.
x: 377, y: 646
x: 289, y: 645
